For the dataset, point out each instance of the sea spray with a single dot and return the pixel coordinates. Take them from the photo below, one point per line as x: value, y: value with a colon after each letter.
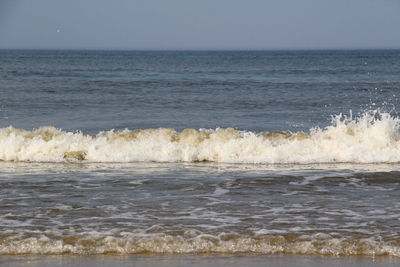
x: 372, y: 137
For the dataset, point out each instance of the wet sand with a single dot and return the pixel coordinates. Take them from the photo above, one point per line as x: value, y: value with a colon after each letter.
x: 196, y: 260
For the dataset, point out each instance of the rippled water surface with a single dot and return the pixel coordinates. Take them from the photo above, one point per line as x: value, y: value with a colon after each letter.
x: 181, y: 208
x: 200, y: 152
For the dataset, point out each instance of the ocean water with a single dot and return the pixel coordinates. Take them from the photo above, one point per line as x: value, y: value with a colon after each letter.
x: 227, y: 152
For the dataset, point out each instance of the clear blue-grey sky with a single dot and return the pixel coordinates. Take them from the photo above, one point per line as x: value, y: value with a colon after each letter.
x: 199, y: 24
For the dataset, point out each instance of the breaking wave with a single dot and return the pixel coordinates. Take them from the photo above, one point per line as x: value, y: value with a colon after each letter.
x: 128, y: 243
x: 370, y: 138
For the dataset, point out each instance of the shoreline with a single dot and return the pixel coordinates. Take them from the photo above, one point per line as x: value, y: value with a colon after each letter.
x: 195, y: 260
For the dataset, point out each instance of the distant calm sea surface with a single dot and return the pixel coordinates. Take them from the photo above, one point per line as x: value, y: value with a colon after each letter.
x: 293, y: 152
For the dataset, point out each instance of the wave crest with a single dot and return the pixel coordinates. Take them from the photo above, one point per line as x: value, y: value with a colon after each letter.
x: 371, y: 138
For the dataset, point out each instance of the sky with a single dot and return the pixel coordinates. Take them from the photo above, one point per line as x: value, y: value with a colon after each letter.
x: 199, y: 24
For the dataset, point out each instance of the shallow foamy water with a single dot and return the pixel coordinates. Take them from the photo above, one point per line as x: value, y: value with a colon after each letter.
x: 174, y: 208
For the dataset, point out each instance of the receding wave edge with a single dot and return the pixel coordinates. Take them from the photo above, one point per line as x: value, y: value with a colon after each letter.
x: 128, y: 243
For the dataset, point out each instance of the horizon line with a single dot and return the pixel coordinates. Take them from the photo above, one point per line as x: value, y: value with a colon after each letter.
x: 202, y: 49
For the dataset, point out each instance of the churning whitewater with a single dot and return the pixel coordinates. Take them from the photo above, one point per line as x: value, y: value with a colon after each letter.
x: 370, y: 138
x: 127, y: 243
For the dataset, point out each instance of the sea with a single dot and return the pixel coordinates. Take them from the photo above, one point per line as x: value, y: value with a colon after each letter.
x: 199, y: 154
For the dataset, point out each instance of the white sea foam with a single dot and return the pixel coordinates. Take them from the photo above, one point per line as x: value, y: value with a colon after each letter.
x: 371, y: 138
x: 196, y: 242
